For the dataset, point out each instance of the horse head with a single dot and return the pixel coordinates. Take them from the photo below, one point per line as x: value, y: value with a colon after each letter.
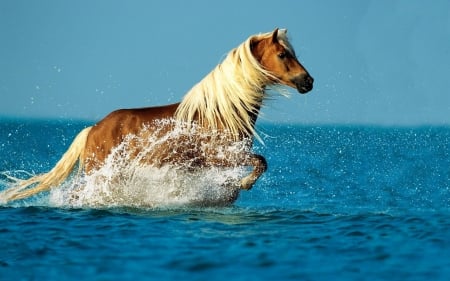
x: 276, y: 55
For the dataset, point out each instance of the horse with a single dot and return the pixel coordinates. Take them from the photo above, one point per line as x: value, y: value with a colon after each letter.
x: 225, y: 105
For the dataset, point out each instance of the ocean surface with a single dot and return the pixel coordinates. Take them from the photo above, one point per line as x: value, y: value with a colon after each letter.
x: 337, y: 203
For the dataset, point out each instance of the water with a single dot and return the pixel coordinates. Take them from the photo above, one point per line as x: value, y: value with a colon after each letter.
x: 337, y: 203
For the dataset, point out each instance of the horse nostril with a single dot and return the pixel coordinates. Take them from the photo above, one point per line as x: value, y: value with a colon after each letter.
x: 303, y: 83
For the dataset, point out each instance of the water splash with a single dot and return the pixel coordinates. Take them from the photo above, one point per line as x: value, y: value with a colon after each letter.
x: 149, y: 187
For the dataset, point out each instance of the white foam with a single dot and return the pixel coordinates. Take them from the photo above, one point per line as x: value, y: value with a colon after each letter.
x: 150, y: 187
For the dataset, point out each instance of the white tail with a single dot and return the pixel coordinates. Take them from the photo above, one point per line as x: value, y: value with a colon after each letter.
x: 54, y: 177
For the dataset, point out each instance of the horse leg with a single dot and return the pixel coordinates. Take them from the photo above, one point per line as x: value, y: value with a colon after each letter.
x: 259, y: 167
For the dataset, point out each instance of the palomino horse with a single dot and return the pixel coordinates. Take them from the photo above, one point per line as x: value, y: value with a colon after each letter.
x: 226, y: 103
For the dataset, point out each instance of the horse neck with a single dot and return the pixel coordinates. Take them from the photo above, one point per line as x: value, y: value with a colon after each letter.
x: 254, y: 115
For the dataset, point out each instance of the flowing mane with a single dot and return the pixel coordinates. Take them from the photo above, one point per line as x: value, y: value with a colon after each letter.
x: 232, y: 92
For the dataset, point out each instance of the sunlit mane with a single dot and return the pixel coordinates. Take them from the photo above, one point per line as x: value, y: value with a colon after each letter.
x: 228, y: 96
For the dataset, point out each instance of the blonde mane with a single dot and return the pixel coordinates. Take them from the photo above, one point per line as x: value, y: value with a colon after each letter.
x: 231, y: 93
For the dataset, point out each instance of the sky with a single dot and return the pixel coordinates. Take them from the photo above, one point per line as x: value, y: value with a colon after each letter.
x: 380, y: 62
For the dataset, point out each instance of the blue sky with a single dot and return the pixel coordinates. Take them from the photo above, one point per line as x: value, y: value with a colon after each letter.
x: 383, y: 62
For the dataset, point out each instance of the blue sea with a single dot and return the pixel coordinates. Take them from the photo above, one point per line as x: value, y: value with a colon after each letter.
x: 337, y: 203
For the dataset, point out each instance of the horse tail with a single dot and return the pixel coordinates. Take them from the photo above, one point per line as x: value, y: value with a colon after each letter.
x: 22, y: 188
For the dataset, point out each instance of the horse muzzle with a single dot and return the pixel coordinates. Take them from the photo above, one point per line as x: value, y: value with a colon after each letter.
x: 304, y: 83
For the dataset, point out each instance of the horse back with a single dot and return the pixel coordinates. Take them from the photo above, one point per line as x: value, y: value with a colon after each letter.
x: 111, y: 130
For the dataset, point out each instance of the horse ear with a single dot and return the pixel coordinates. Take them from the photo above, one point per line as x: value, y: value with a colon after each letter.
x: 275, y: 36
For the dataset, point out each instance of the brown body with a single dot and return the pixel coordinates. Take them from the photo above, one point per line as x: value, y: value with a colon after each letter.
x: 272, y: 61
x: 181, y: 149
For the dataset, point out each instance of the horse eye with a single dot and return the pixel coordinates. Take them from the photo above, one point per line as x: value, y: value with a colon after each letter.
x: 282, y: 55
